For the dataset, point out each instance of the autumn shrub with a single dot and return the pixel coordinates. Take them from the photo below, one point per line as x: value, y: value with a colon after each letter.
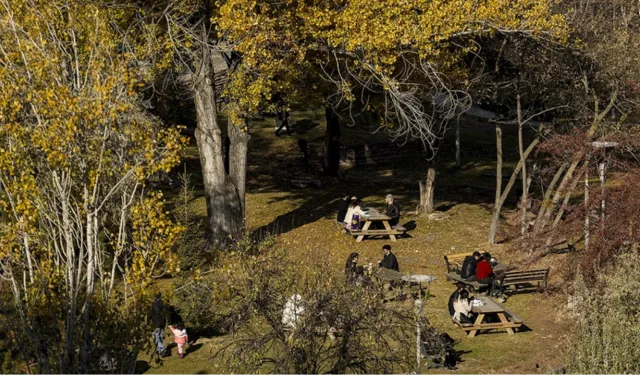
x: 342, y: 328
x: 608, y: 319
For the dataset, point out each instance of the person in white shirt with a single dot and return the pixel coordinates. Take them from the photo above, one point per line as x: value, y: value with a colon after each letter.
x: 354, y: 209
x: 462, y: 306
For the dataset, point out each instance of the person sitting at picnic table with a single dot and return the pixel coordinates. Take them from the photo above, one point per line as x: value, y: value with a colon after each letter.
x: 355, y: 209
x: 393, y: 210
x: 343, y: 207
x: 463, y: 308
x: 454, y: 296
x: 389, y: 260
x: 484, y: 272
x: 469, y: 265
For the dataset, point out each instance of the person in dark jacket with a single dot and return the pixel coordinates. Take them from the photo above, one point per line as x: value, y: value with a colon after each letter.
x: 469, y: 265
x: 282, y: 118
x: 343, y: 206
x: 393, y: 210
x: 159, y: 319
x: 389, y: 261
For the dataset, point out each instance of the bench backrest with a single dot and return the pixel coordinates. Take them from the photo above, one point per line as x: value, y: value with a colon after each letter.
x: 454, y: 261
x: 514, y: 277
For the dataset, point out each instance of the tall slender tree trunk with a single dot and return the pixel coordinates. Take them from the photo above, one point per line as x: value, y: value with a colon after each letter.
x: 524, y: 200
x: 547, y: 195
x: 597, y: 119
x: 238, y: 151
x: 497, y: 206
x: 458, y: 163
x: 224, y: 205
x: 427, y: 189
x: 332, y: 143
x: 495, y: 219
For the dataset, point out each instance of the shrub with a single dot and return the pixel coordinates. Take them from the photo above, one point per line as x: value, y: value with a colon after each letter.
x: 608, y: 324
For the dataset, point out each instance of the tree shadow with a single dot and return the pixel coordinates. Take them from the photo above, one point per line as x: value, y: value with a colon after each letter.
x: 142, y: 367
x: 303, y: 126
x: 193, y: 348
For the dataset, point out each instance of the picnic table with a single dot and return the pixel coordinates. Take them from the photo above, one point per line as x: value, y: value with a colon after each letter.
x: 508, y: 320
x: 374, y: 216
x: 402, y: 281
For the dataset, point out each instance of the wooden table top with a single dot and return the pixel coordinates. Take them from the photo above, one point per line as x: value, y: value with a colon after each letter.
x: 375, y: 215
x: 490, y: 306
x: 387, y: 274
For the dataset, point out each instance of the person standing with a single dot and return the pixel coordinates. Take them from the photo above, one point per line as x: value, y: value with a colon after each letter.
x: 282, y: 117
x: 180, y: 337
x: 393, y: 210
x: 159, y: 320
x: 389, y: 260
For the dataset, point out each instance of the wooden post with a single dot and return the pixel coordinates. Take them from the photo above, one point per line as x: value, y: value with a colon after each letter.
x: 458, y: 142
x: 586, y: 205
x: 419, y: 306
x: 602, y: 172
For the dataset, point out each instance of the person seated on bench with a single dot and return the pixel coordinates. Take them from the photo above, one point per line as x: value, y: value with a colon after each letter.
x: 484, y: 272
x: 354, y: 210
x: 393, y: 210
x: 343, y: 207
x: 454, y: 296
x: 462, y: 309
x: 389, y: 260
x: 469, y: 265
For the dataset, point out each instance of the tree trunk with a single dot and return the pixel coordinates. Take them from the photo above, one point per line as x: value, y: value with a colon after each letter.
x: 495, y: 219
x: 458, y: 164
x: 332, y: 144
x: 224, y: 206
x: 427, y: 189
x: 238, y: 148
x: 597, y: 119
x: 547, y: 196
x: 525, y: 187
x: 497, y: 206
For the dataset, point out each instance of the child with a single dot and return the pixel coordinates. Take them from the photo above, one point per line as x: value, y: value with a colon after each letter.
x: 179, y: 337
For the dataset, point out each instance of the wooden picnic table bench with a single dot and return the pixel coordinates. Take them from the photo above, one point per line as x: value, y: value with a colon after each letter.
x: 454, y: 265
x: 507, y: 320
x: 374, y: 216
x: 523, y: 280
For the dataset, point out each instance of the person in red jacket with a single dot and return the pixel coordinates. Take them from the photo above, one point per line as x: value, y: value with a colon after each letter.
x: 484, y: 273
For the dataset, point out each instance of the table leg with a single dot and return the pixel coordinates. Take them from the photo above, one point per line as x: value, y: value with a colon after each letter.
x: 366, y: 226
x: 389, y: 229
x: 504, y: 320
x: 478, y: 322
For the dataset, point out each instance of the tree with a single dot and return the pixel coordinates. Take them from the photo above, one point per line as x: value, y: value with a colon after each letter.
x: 342, y: 329
x: 81, y: 239
x: 404, y: 58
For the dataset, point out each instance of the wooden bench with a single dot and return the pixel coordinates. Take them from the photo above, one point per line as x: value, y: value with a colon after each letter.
x: 454, y: 261
x: 508, y: 320
x: 473, y: 285
x: 360, y: 233
x: 454, y: 265
x: 524, y: 280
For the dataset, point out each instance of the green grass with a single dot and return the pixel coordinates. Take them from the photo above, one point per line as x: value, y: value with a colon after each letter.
x: 304, y: 221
